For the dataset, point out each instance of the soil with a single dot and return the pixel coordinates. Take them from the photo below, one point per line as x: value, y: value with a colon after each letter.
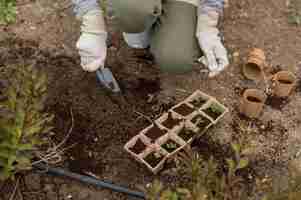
x: 138, y: 147
x: 277, y: 102
x: 154, y: 133
x: 254, y: 99
x: 213, y: 114
x: 170, y: 146
x: 152, y: 160
x: 45, y: 35
x: 285, y: 82
x: 198, y: 102
x: 186, y: 134
x: 171, y: 122
x: 201, y: 121
x: 183, y: 110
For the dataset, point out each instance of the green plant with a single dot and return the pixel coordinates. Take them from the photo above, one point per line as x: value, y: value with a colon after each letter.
x: 7, y: 11
x: 207, y: 181
x: 22, y: 120
x: 295, y: 12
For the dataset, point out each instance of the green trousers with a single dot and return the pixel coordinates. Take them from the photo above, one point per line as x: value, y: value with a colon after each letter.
x: 173, y: 26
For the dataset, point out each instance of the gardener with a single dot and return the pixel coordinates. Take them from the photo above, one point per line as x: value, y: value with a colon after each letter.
x: 178, y: 32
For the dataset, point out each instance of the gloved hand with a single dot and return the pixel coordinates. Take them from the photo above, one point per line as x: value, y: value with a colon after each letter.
x: 215, y: 54
x: 92, y: 42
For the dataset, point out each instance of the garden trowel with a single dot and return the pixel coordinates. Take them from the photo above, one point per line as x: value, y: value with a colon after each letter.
x: 106, y: 78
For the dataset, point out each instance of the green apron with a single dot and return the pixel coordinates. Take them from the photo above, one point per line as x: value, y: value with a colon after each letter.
x: 173, y: 41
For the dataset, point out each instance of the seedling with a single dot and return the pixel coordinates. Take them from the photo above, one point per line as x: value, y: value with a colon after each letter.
x: 155, y: 132
x: 170, y: 146
x: 201, y: 122
x: 171, y: 122
x: 153, y: 159
x: 214, y: 111
x: 183, y: 110
x: 138, y: 147
x: 198, y: 102
x: 186, y: 134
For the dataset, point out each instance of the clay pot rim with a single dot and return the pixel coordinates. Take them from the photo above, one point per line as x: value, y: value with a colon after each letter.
x: 289, y: 76
x: 261, y: 96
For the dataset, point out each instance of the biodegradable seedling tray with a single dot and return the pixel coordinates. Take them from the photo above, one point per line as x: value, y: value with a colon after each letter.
x: 214, y: 110
x: 170, y: 120
x: 184, y: 109
x: 174, y: 130
x: 154, y: 160
x: 154, y: 132
x: 198, y: 99
x: 201, y: 122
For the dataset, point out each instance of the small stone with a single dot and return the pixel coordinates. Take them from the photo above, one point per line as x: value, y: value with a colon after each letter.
x: 69, y: 196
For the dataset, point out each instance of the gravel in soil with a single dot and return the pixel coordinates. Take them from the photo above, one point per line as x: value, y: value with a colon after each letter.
x: 183, y: 110
x: 277, y: 102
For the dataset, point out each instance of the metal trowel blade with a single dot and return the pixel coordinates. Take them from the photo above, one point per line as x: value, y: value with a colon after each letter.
x: 107, y: 79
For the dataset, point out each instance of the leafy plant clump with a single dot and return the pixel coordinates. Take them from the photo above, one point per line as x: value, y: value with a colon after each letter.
x: 207, y: 182
x: 295, y: 12
x: 7, y: 11
x: 22, y: 120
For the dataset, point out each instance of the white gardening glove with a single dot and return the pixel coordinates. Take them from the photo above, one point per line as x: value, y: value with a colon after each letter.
x: 215, y: 54
x: 91, y: 45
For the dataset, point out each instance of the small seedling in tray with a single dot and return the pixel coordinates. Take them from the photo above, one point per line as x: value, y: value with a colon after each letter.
x: 170, y: 146
x: 138, y: 147
x: 201, y: 122
x: 171, y: 122
x: 155, y: 132
x: 214, y: 111
x: 198, y: 102
x: 153, y: 159
x: 186, y: 134
x: 183, y: 110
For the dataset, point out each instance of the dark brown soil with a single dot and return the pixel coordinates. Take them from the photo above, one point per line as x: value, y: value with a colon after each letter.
x: 254, y: 99
x: 183, y: 109
x: 138, y: 147
x: 198, y: 102
x: 152, y: 160
x: 154, y: 133
x: 186, y: 134
x: 211, y: 113
x: 170, y: 146
x: 277, y: 102
x: 171, y: 122
x: 99, y: 123
x: 202, y: 122
x: 288, y: 82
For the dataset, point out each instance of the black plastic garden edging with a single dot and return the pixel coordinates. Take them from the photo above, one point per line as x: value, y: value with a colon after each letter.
x: 88, y: 180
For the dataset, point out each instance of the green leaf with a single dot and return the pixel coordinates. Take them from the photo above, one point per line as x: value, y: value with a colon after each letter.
x: 23, y: 163
x: 25, y: 147
x: 236, y: 147
x: 243, y: 163
x: 231, y: 164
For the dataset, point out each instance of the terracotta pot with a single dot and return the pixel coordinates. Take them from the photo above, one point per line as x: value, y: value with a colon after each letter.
x: 254, y: 67
x: 284, y: 82
x: 252, y: 103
